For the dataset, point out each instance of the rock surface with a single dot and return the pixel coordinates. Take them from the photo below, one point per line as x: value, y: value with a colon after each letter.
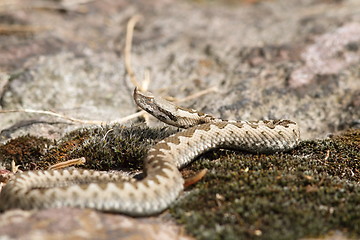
x: 277, y: 59
x: 67, y: 223
x: 272, y: 59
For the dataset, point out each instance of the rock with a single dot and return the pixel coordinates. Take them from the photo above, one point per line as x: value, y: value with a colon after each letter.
x: 269, y: 60
x: 84, y: 224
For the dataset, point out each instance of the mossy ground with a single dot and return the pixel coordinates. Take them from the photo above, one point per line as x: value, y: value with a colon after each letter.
x: 307, y: 192
x: 108, y: 147
x: 104, y: 148
x: 24, y: 150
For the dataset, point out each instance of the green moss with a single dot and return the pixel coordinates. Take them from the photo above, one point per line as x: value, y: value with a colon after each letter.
x: 309, y: 191
x: 108, y: 147
x: 104, y: 148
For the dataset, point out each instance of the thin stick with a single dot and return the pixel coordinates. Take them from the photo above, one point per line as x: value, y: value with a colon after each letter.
x: 129, y: 117
x: 47, y: 5
x: 193, y: 96
x: 198, y: 94
x: 76, y: 2
x: 54, y: 114
x: 194, y: 179
x: 76, y: 120
x: 127, y: 51
x: 13, y: 29
x: 72, y: 162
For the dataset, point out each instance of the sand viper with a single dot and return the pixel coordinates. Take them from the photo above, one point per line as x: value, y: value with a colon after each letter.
x: 162, y: 182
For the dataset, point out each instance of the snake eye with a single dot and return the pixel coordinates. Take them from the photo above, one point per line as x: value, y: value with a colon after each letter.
x: 149, y: 100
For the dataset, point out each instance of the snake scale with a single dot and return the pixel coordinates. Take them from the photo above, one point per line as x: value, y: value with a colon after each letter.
x: 163, y: 182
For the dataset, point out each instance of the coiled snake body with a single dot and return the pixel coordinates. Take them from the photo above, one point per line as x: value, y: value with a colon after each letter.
x: 163, y: 182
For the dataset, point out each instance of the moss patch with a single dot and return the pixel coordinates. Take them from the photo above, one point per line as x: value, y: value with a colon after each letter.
x: 307, y: 192
x: 108, y: 147
x: 105, y: 147
x: 25, y: 151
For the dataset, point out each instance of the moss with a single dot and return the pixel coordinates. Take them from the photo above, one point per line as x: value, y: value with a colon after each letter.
x: 107, y: 147
x: 25, y: 151
x: 307, y: 192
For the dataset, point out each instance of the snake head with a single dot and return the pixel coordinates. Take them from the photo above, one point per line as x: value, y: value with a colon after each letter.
x: 156, y: 106
x: 168, y: 112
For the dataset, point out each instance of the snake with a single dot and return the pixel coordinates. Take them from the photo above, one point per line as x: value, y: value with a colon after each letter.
x: 163, y: 182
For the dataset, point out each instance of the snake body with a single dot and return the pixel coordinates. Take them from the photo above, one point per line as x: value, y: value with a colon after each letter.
x: 163, y: 182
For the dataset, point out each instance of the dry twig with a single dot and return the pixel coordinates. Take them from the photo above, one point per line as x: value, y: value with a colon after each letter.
x: 7, y: 29
x: 72, y: 162
x: 127, y: 50
x: 74, y: 120
x: 68, y: 5
x: 54, y: 114
x: 198, y: 94
x: 194, y: 179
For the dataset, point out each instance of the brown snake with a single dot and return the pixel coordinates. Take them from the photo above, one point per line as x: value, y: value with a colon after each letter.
x: 163, y: 182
